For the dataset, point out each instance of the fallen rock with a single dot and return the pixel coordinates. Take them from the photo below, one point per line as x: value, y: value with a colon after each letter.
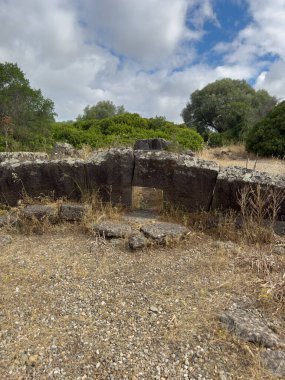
x: 250, y: 325
x: 72, y: 212
x: 40, y: 212
x: 5, y: 240
x: 111, y: 229
x: 137, y: 242
x: 163, y: 232
x: 274, y: 361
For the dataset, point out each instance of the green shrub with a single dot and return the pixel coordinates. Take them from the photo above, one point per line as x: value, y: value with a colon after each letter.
x: 216, y: 139
x: 124, y: 130
x: 267, y: 137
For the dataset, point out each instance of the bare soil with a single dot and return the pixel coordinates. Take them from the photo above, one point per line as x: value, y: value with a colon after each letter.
x: 75, y: 306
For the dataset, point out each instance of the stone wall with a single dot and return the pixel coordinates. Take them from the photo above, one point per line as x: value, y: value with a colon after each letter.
x: 186, y: 181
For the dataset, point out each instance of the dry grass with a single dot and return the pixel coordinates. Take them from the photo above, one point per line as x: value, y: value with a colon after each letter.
x: 235, y: 155
x: 69, y: 302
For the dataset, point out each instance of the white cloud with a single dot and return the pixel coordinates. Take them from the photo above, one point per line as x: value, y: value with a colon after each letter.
x: 137, y: 53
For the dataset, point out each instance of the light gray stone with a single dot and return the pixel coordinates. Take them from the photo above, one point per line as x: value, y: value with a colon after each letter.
x: 250, y: 325
x: 112, y: 229
x: 163, y: 232
x: 137, y: 242
x: 274, y: 361
x: 61, y: 150
x: 72, y: 212
x: 22, y: 156
x: 39, y: 212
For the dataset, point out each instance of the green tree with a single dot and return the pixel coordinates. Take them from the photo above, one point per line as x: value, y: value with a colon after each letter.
x: 101, y: 110
x: 267, y: 137
x: 228, y: 106
x: 27, y: 110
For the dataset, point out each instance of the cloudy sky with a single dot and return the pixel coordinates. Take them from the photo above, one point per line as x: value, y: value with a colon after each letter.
x: 148, y: 55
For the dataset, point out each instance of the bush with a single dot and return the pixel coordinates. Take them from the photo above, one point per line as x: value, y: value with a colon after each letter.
x: 125, y: 130
x: 267, y: 137
x: 216, y: 140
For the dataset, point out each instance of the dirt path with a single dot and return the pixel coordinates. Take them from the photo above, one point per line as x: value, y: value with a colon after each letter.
x: 78, y: 307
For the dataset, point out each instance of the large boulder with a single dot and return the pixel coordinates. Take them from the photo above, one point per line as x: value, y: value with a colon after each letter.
x: 232, y: 180
x: 152, y: 144
x: 186, y: 181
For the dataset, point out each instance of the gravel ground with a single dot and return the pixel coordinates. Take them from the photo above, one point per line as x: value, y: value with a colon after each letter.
x: 75, y: 306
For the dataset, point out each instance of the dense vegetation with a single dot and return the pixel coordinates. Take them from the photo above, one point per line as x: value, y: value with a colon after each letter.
x: 267, y: 137
x: 25, y: 115
x: 224, y: 111
x: 101, y: 110
x: 230, y: 107
x: 124, y: 130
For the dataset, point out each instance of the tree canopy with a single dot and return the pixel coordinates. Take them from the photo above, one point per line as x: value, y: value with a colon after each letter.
x: 227, y: 105
x: 24, y: 113
x: 101, y: 110
x: 267, y: 137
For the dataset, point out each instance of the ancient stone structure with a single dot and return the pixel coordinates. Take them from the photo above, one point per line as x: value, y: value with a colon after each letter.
x: 186, y: 181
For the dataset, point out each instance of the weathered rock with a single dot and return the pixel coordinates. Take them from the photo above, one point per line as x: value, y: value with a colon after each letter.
x: 108, y: 172
x: 72, y: 212
x: 40, y: 212
x: 251, y: 326
x: 163, y: 232
x: 186, y: 181
x: 274, y: 361
x: 5, y: 240
x: 50, y: 178
x: 111, y: 173
x: 279, y: 249
x: 152, y: 144
x: 61, y: 150
x: 137, y: 242
x: 13, y: 157
x: 232, y: 180
x: 112, y: 229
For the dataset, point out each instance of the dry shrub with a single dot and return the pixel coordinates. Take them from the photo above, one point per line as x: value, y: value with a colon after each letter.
x: 259, y: 210
x: 274, y: 288
x: 264, y: 264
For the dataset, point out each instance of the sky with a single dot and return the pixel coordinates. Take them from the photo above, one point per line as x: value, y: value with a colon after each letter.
x: 147, y: 55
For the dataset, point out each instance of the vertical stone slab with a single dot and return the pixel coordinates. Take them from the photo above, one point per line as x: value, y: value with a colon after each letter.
x: 111, y: 172
x: 232, y: 180
x: 186, y: 181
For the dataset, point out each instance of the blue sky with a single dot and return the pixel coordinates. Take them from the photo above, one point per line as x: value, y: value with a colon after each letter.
x: 149, y: 56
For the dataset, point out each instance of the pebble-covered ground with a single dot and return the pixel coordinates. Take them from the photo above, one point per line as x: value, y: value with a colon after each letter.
x: 74, y: 306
